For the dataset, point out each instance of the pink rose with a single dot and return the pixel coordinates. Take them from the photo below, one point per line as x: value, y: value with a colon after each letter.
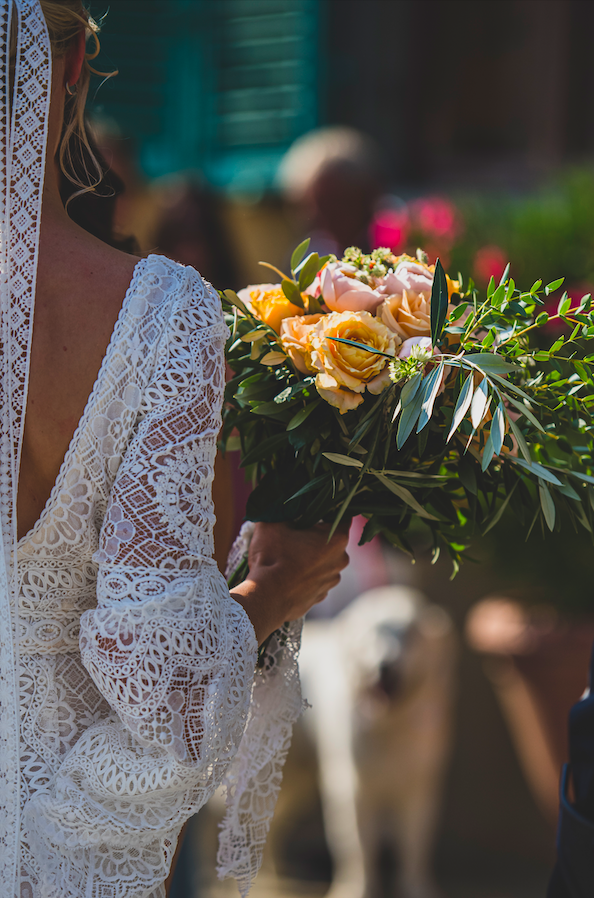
x: 410, y: 276
x: 343, y: 292
x: 421, y: 348
x: 423, y: 345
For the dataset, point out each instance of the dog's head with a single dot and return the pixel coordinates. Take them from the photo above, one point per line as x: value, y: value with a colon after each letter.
x: 383, y: 634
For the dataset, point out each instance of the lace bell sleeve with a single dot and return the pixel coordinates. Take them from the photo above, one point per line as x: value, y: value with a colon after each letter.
x: 167, y: 646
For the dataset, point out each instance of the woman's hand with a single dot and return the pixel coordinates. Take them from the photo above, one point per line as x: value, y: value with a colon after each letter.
x: 290, y: 570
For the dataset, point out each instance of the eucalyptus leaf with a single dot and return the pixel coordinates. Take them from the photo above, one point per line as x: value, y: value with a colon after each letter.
x: 299, y: 253
x: 406, y: 496
x: 271, y: 409
x: 488, y: 453
x: 430, y: 395
x: 489, y: 362
x: 526, y: 411
x: 308, y: 271
x: 538, y: 470
x: 232, y: 297
x: 439, y: 302
x: 462, y: 405
x: 273, y: 358
x: 409, y: 416
x: 361, y: 346
x: 410, y: 389
x: 505, y: 274
x: 522, y: 445
x: 458, y: 312
x: 303, y: 414
x: 585, y: 478
x: 569, y: 491
x: 312, y: 485
x: 554, y: 285
x: 547, y: 504
x: 413, y: 475
x: 479, y: 403
x: 293, y: 293
x: 343, y: 459
x: 342, y: 510
x: 499, y: 513
x: 564, y: 304
x: 258, y: 334
x: 498, y: 428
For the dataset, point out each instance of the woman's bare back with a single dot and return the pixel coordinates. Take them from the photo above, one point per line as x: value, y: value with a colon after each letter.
x: 81, y: 284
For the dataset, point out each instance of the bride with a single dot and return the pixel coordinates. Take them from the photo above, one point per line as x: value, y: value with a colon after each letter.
x: 128, y: 689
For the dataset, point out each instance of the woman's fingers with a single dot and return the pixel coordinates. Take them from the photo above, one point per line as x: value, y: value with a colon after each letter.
x: 290, y: 570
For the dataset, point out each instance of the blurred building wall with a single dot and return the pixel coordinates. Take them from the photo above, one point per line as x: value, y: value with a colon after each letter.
x: 469, y: 92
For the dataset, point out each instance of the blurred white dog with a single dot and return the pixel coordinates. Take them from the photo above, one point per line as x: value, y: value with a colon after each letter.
x: 380, y: 679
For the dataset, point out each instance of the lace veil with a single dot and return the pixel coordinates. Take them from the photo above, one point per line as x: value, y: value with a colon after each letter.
x: 23, y: 138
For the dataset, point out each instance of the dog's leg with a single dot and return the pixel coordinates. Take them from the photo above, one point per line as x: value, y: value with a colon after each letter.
x: 414, y: 836
x: 328, y: 692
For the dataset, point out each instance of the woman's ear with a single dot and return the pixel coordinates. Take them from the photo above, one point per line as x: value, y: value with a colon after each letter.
x: 74, y: 59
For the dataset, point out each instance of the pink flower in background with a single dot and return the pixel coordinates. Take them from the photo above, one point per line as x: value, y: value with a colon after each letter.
x: 389, y: 227
x: 437, y: 217
x: 489, y: 261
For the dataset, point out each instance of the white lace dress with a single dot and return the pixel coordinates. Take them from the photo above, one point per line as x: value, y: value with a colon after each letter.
x: 136, y: 665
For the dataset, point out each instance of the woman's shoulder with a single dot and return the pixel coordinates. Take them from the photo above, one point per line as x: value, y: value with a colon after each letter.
x: 188, y: 293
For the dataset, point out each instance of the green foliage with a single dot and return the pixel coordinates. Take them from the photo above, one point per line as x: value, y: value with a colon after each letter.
x: 458, y: 439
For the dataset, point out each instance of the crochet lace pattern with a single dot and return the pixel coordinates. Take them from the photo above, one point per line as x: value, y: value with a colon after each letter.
x: 136, y: 666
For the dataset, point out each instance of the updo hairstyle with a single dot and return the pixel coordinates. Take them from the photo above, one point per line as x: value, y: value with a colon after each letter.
x: 88, y: 189
x: 78, y: 160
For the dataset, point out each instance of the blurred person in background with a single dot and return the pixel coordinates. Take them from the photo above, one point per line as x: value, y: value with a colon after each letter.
x: 333, y: 178
x: 573, y: 876
x: 190, y: 228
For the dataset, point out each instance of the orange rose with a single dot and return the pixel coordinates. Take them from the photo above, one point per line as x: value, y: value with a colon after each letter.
x: 269, y: 304
x: 345, y: 372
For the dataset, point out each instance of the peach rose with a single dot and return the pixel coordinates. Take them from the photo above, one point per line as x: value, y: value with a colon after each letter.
x: 269, y: 304
x: 408, y: 315
x: 342, y: 291
x: 345, y: 372
x: 295, y: 334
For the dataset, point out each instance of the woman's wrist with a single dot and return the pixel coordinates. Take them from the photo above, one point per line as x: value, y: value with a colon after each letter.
x: 259, y: 604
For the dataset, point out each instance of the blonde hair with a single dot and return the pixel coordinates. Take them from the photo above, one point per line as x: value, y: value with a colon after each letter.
x: 78, y: 160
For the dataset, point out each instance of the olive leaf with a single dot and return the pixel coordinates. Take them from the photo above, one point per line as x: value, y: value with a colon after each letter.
x: 439, y: 302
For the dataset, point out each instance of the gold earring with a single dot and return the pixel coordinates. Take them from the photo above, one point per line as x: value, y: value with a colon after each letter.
x: 71, y: 90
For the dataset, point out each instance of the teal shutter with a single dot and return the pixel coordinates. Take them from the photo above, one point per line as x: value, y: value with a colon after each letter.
x: 220, y: 85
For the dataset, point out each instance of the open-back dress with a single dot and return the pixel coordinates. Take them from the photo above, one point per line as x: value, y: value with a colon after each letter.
x: 136, y: 665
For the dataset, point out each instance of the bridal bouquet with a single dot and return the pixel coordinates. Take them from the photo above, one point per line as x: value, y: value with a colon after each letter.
x: 376, y: 385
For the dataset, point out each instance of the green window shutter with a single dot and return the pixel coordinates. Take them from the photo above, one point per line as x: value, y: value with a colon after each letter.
x: 221, y: 85
x: 266, y: 86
